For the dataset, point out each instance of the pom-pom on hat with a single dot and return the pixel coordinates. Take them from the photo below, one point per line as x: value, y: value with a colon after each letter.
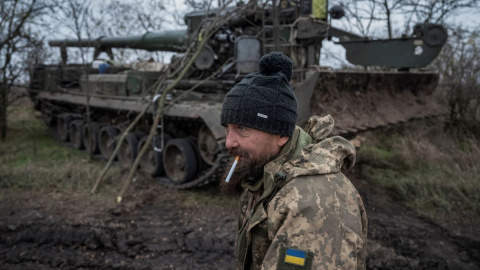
x: 264, y: 100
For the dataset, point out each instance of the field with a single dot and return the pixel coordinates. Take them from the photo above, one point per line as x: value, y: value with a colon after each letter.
x: 431, y: 169
x: 419, y: 183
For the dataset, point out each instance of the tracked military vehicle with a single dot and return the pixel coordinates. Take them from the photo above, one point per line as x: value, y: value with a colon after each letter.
x: 188, y: 149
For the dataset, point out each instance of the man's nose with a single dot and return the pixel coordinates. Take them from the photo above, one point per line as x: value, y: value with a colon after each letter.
x: 231, y: 141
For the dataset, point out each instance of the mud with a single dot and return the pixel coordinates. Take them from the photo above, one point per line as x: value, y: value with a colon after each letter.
x: 364, y: 101
x: 158, y: 228
x: 401, y: 239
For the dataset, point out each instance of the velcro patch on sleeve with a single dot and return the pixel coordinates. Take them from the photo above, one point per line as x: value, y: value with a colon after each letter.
x: 293, y: 258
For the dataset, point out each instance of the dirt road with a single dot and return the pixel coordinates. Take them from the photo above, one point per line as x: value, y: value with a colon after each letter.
x: 158, y: 228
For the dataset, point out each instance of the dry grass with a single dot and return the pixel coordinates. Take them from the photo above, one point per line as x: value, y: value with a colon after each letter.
x: 431, y: 169
x: 30, y: 160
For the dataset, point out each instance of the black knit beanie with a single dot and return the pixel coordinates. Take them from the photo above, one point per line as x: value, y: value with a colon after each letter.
x: 264, y: 100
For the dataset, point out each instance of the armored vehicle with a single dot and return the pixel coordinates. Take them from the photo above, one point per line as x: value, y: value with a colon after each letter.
x: 89, y: 107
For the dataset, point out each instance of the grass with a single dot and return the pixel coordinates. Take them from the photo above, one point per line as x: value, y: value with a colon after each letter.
x: 31, y: 160
x: 207, y: 195
x: 430, y: 169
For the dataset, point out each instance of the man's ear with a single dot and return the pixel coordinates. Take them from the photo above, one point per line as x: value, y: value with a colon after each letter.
x: 282, y: 141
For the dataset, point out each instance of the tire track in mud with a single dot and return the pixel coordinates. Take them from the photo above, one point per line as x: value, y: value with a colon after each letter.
x: 155, y: 229
x: 164, y: 236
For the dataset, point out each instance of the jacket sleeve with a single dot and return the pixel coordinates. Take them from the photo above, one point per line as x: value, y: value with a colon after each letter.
x: 317, y: 221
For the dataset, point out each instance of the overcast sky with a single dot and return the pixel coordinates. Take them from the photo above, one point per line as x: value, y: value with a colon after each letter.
x: 332, y: 55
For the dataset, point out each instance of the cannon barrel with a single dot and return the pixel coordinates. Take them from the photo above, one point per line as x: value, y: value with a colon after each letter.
x: 171, y: 41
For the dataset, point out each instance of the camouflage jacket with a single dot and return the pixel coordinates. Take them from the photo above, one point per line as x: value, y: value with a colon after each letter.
x: 304, y: 214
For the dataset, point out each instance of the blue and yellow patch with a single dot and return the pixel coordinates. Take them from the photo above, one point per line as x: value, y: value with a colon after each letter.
x: 295, y: 256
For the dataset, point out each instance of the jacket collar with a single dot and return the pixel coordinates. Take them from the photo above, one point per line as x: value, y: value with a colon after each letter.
x: 292, y: 148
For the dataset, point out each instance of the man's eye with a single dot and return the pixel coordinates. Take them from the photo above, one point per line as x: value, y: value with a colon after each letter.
x: 226, y: 130
x: 243, y: 131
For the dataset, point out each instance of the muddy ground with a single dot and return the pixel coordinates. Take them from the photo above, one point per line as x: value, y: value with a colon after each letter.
x: 159, y: 228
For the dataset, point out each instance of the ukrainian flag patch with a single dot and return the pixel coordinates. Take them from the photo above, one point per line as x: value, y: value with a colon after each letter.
x: 295, y: 257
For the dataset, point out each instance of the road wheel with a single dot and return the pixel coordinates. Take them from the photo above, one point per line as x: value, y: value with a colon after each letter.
x: 152, y: 161
x: 128, y: 150
x: 76, y: 134
x: 207, y: 145
x: 179, y: 160
x: 107, y: 140
x: 91, y: 147
x: 63, y: 124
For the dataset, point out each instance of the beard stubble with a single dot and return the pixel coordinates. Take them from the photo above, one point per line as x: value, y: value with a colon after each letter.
x: 247, y: 169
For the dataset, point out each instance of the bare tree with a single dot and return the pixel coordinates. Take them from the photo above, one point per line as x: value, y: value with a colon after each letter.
x: 459, y: 66
x: 436, y: 11
x: 17, y: 38
x: 120, y: 18
x: 199, y: 4
x: 74, y: 16
x: 364, y: 15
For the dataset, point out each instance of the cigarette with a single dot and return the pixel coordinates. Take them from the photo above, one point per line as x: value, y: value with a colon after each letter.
x: 232, y: 169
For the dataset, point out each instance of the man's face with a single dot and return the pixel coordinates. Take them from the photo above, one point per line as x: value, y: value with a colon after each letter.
x: 255, y: 148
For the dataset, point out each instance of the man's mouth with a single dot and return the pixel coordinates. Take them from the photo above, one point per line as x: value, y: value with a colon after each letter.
x: 235, y: 152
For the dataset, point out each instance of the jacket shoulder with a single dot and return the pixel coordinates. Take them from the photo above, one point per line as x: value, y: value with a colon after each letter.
x: 324, y: 215
x: 314, y: 195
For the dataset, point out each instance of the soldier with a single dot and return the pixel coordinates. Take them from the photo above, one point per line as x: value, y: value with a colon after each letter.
x: 297, y: 210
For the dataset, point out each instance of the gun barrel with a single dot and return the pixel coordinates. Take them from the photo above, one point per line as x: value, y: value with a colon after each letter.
x: 172, y: 41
